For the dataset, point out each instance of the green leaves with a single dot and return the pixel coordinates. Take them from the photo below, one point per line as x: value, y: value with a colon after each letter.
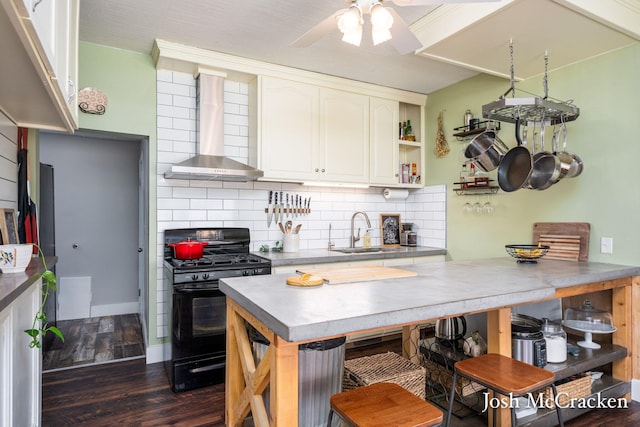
x: 49, y: 282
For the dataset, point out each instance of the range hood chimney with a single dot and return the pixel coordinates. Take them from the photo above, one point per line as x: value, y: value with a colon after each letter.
x: 210, y: 163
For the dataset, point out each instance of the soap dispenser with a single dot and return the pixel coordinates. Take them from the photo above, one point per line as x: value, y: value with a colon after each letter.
x: 366, y: 239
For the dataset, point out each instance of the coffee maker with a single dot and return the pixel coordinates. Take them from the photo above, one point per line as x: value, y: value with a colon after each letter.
x: 408, y: 237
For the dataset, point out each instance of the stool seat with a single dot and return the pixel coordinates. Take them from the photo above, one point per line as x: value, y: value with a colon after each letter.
x: 505, y: 374
x: 384, y: 404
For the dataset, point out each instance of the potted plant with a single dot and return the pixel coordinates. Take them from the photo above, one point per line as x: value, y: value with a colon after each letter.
x: 40, y: 327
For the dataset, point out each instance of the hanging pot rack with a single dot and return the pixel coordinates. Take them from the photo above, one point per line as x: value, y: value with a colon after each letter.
x: 530, y: 109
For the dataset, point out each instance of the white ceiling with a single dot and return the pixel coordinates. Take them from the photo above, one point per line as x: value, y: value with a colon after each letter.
x: 459, y: 40
x: 263, y: 30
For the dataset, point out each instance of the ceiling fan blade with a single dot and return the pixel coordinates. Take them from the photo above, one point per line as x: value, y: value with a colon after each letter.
x: 326, y: 26
x: 403, y: 40
x: 435, y: 2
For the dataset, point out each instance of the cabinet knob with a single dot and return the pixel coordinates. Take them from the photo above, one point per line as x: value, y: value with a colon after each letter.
x: 322, y: 171
x: 317, y: 169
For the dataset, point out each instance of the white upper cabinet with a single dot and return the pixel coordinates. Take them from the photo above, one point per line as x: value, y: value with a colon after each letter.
x: 288, y: 129
x: 311, y: 133
x: 39, y: 82
x: 344, y: 137
x: 384, y: 119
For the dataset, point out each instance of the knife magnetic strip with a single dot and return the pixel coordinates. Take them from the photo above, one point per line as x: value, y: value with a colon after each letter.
x: 292, y: 210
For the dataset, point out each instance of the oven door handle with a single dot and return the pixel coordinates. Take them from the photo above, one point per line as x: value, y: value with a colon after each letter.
x: 189, y: 290
x: 207, y: 368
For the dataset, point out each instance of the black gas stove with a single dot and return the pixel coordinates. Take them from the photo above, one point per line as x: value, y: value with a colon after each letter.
x: 197, y: 307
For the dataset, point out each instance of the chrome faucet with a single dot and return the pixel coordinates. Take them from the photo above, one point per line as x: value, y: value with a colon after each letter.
x: 353, y: 238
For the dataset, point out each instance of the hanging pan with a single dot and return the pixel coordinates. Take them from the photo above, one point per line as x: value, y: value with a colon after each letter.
x: 546, y: 167
x: 515, y: 167
x: 574, y: 161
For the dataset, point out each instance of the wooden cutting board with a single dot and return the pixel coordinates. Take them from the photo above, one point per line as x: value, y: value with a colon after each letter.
x: 577, y: 231
x: 359, y: 273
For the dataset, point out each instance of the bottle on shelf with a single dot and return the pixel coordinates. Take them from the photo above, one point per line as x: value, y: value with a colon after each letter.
x: 464, y: 175
x: 468, y: 115
x: 472, y: 173
x: 403, y: 131
x: 408, y: 132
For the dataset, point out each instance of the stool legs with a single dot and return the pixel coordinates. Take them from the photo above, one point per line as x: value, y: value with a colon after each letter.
x: 513, y: 412
x: 451, y: 397
x: 330, y: 420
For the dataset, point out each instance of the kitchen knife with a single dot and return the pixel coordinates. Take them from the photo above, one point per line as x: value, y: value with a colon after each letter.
x: 297, y: 205
x: 309, y: 205
x: 276, y: 209
x: 270, y: 209
x: 288, y: 207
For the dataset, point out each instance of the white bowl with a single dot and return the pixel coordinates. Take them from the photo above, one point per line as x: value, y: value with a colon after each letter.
x: 15, y: 258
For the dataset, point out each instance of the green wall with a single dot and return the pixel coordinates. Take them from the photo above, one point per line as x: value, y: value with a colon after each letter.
x: 605, y: 135
x: 129, y: 81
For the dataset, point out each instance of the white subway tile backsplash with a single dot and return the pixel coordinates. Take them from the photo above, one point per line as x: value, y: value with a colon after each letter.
x: 190, y: 204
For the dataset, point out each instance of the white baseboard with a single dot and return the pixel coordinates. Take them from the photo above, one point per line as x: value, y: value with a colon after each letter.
x: 155, y: 353
x: 114, y: 309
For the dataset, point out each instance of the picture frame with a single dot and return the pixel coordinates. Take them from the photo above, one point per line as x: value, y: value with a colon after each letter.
x: 8, y: 227
x: 390, y: 229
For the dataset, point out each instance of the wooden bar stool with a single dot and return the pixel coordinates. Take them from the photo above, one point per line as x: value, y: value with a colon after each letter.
x: 505, y: 376
x: 383, y: 404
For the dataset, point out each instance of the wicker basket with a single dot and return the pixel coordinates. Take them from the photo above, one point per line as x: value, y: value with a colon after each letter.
x: 385, y: 367
x: 573, y: 387
x: 439, y: 374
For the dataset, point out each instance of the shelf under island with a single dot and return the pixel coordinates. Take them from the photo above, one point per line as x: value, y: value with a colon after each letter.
x: 289, y: 316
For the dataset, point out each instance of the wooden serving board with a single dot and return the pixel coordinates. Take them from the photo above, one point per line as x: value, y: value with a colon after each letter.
x: 570, y: 230
x: 359, y: 273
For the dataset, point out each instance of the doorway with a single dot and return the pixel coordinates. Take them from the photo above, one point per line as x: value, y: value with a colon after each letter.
x: 99, y: 222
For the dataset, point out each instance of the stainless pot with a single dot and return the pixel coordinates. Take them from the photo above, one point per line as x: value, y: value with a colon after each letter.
x: 546, y: 167
x: 451, y: 329
x: 486, y: 150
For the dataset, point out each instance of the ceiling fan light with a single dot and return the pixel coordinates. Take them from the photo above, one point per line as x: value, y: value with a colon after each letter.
x: 353, y: 37
x: 349, y: 21
x: 380, y: 36
x: 381, y: 18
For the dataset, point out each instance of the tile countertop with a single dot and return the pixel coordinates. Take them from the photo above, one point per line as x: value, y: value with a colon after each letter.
x: 12, y: 285
x: 439, y: 290
x: 322, y: 256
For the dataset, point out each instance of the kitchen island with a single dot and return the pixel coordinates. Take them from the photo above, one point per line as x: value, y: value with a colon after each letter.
x: 288, y: 316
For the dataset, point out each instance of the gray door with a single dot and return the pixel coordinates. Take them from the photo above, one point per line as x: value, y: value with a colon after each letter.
x: 97, y: 217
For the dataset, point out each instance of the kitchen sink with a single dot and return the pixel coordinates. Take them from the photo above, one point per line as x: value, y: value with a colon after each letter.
x: 371, y: 250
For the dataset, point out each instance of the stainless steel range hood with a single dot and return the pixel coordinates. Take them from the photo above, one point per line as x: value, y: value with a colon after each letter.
x: 210, y: 163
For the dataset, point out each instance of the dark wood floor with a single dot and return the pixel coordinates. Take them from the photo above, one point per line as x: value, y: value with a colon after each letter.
x: 132, y: 393
x: 94, y: 340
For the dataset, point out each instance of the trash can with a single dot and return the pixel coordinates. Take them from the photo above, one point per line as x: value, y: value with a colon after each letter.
x: 320, y: 370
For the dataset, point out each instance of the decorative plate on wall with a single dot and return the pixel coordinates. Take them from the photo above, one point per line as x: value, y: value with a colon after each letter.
x: 92, y: 100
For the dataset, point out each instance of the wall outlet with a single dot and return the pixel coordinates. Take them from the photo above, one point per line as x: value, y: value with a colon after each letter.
x: 606, y: 245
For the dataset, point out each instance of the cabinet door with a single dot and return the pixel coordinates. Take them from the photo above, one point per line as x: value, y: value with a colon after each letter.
x: 344, y: 137
x: 288, y: 138
x: 42, y: 14
x: 384, y: 116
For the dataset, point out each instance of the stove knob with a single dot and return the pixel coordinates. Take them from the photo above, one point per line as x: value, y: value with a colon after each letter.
x: 194, y: 277
x: 205, y: 276
x: 246, y: 273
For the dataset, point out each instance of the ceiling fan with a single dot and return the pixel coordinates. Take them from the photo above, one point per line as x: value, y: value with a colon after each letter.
x: 386, y: 24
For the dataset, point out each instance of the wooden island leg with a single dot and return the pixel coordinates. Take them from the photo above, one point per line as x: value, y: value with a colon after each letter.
x: 499, y: 341
x: 245, y: 382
